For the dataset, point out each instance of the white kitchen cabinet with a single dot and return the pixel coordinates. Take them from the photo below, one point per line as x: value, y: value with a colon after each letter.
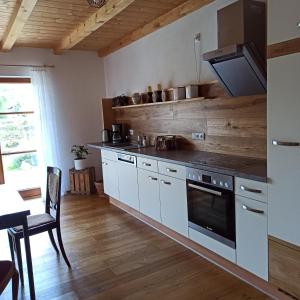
x: 173, y: 198
x: 172, y: 170
x: 284, y: 158
x: 213, y: 245
x: 283, y: 17
x: 147, y: 164
x: 251, y: 189
x: 128, y: 184
x: 110, y: 178
x: 252, y: 236
x: 149, y: 194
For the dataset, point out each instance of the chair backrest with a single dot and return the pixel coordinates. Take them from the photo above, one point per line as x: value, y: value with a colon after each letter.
x: 53, y: 192
x: 6, y: 273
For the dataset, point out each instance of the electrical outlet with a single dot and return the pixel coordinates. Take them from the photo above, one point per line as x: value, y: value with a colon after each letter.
x: 197, y: 37
x: 200, y: 136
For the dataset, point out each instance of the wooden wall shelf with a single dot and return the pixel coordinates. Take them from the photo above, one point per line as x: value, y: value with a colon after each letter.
x: 159, y: 103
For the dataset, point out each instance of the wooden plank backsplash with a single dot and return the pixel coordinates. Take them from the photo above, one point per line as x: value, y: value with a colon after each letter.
x: 232, y: 125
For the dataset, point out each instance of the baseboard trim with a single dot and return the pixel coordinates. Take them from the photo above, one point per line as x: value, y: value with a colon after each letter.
x: 226, y: 265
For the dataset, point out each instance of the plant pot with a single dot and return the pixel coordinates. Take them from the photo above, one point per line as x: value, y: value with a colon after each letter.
x: 80, y: 164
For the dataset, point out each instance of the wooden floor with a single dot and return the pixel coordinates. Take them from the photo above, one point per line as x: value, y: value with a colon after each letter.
x: 115, y: 256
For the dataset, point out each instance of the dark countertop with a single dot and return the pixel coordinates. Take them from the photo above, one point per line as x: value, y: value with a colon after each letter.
x: 244, y: 167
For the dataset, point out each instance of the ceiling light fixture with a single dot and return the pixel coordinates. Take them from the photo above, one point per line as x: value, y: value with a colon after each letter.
x: 96, y: 3
x: 298, y: 24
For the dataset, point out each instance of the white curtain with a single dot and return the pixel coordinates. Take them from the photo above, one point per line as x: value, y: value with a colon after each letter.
x: 49, y: 152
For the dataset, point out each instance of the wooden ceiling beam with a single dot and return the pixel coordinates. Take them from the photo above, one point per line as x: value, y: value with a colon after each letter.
x: 91, y: 24
x: 167, y: 18
x: 17, y: 23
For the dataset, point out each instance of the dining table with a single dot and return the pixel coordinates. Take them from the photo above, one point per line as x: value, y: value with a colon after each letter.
x: 14, y: 212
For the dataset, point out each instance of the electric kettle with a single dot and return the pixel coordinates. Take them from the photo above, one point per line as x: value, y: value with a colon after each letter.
x: 106, y: 133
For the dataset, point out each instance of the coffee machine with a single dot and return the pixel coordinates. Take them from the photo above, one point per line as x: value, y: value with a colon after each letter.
x: 117, y: 133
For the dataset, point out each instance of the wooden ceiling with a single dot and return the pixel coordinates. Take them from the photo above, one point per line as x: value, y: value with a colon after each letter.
x: 72, y: 24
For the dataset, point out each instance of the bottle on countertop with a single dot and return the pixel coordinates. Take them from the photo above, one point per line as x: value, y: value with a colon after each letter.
x: 158, y: 94
x: 150, y: 94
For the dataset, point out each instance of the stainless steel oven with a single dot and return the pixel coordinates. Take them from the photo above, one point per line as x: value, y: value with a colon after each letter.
x: 211, y: 206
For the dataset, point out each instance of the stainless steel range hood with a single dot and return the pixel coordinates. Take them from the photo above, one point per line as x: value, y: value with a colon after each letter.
x: 240, y: 61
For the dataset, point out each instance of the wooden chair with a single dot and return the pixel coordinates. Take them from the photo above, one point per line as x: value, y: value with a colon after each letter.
x: 8, y: 272
x: 43, y: 222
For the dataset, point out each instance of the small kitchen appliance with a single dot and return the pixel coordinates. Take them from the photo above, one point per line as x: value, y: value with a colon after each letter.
x: 106, y: 134
x: 117, y: 133
x: 211, y: 205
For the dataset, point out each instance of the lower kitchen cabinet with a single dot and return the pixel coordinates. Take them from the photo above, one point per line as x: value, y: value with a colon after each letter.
x: 173, y: 198
x: 149, y: 194
x: 110, y: 178
x: 252, y: 236
x: 128, y: 184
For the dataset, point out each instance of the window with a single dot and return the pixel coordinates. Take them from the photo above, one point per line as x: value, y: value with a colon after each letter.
x: 18, y: 134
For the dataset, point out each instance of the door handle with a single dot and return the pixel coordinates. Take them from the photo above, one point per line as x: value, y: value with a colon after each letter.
x: 286, y: 144
x: 166, y: 182
x: 104, y: 163
x: 152, y: 178
x: 146, y: 164
x: 250, y: 190
x: 256, y: 211
x: 203, y: 189
x: 171, y: 170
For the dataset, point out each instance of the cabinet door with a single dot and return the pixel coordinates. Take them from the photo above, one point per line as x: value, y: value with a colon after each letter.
x: 149, y: 194
x: 283, y: 17
x: 110, y: 178
x: 284, y: 160
x: 251, y: 236
x: 128, y: 185
x: 173, y: 200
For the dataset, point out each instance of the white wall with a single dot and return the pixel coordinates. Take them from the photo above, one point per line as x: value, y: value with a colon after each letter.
x: 165, y: 56
x: 79, y: 84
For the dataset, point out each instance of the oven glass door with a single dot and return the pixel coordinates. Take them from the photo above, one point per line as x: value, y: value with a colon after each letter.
x: 212, y: 211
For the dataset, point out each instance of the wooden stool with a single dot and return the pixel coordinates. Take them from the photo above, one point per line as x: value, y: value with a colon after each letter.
x: 82, y: 181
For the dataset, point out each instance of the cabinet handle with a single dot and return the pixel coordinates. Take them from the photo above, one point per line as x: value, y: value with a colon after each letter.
x: 250, y: 190
x: 286, y: 144
x: 104, y: 164
x: 171, y: 170
x: 257, y: 211
x: 152, y: 178
x: 165, y: 182
x: 146, y: 164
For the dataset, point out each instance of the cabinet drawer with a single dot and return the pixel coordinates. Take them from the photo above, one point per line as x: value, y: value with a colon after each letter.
x: 172, y: 170
x: 147, y: 164
x: 212, y: 244
x: 252, y: 236
x: 251, y: 189
x: 110, y: 155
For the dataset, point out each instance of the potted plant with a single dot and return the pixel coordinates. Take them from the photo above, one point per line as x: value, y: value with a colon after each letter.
x: 80, y: 152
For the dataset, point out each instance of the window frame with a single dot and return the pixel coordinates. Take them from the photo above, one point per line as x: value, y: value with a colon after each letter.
x: 34, y: 192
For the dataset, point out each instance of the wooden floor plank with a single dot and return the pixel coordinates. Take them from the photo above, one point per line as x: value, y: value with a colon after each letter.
x: 115, y: 256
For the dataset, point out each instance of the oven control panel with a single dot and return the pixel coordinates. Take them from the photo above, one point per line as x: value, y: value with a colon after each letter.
x: 211, y: 178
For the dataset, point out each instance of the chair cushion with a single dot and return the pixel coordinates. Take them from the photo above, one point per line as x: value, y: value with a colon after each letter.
x: 35, y: 221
